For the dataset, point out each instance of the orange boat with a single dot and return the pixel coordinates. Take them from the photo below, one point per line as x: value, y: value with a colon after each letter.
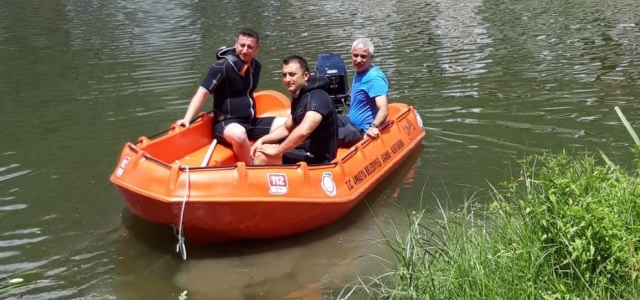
x: 182, y: 178
x: 163, y: 180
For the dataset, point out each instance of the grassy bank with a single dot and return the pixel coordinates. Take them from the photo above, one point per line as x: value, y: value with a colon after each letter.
x: 567, y: 227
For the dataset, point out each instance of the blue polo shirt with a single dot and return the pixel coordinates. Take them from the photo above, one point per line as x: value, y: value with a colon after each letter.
x: 365, y: 88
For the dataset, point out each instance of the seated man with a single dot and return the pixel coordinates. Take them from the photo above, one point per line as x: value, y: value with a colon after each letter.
x: 310, y: 133
x: 369, y: 90
x: 232, y: 80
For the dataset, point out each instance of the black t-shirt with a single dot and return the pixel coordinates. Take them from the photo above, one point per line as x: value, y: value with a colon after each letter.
x: 323, y: 141
x: 232, y: 84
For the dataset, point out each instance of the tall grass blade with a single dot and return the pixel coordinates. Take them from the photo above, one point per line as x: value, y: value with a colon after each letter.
x: 627, y: 125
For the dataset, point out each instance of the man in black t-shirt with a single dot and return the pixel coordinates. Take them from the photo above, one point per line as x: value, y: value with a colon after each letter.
x: 310, y: 134
x: 232, y: 80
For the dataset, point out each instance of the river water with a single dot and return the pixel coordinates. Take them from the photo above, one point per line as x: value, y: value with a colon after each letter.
x: 493, y: 80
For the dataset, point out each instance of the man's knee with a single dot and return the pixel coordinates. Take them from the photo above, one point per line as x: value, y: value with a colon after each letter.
x: 343, y: 120
x: 348, y: 136
x: 235, y: 133
x: 263, y: 159
x: 259, y: 159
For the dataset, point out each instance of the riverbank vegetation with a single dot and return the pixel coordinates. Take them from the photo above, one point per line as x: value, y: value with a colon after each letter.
x: 566, y: 227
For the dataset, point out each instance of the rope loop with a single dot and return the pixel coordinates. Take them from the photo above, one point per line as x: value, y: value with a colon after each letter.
x: 181, y: 247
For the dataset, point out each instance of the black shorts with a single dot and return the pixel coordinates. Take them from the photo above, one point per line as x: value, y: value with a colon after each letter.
x: 257, y: 128
x: 297, y: 155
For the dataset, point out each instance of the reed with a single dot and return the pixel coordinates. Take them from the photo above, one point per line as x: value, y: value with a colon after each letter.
x: 11, y: 282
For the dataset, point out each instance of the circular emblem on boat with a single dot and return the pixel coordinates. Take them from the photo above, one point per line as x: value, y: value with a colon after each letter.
x: 327, y: 184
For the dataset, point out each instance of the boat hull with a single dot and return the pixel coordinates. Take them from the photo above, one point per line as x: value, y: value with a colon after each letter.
x: 162, y: 180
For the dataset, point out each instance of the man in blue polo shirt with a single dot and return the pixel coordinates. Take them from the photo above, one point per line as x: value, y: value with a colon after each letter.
x: 369, y: 91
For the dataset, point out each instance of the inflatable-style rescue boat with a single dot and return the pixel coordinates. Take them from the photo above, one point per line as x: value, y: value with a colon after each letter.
x: 182, y: 177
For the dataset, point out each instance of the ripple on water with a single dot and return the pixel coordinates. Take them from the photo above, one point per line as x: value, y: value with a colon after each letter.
x: 13, y: 207
x: 24, y: 231
x: 20, y: 242
x: 12, y: 175
x: 147, y: 50
x: 4, y: 254
x: 14, y: 248
x: 4, y: 177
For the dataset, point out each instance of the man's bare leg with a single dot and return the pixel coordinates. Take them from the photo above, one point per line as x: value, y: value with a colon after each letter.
x: 237, y: 136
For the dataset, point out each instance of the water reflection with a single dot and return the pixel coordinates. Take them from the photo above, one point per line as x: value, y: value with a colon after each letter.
x: 152, y: 45
x: 4, y: 177
x: 299, y: 267
x: 464, y: 44
x: 12, y: 240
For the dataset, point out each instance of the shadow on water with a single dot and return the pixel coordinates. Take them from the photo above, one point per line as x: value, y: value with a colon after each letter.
x: 296, y: 267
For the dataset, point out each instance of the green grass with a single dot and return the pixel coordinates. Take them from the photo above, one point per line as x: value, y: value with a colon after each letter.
x: 11, y: 282
x: 564, y: 228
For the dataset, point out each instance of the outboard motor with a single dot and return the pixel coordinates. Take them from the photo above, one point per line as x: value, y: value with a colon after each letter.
x: 332, y: 66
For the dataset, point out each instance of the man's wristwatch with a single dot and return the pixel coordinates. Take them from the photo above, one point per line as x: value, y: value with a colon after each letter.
x: 374, y: 125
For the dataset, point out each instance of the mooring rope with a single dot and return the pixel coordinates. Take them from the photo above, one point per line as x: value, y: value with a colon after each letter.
x: 180, y: 247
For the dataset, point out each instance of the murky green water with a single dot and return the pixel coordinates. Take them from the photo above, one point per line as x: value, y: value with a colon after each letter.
x: 493, y: 80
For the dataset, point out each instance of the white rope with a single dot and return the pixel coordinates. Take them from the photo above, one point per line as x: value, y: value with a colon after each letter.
x: 180, y: 247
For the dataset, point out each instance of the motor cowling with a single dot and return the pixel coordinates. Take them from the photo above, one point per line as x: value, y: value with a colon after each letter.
x: 332, y: 66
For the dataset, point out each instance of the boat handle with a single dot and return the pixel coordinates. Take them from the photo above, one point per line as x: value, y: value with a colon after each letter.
x: 155, y: 160
x: 137, y: 151
x: 349, y: 154
x: 143, y: 141
x: 304, y: 168
x: 386, y: 125
x: 241, y: 172
x: 404, y: 113
x: 133, y: 148
x: 173, y: 176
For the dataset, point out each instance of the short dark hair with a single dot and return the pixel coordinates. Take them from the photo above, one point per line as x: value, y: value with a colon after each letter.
x: 297, y: 59
x: 248, y: 32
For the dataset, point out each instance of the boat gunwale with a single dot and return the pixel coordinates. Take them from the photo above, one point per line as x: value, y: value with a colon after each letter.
x: 345, y: 199
x: 334, y: 163
x: 335, y: 200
